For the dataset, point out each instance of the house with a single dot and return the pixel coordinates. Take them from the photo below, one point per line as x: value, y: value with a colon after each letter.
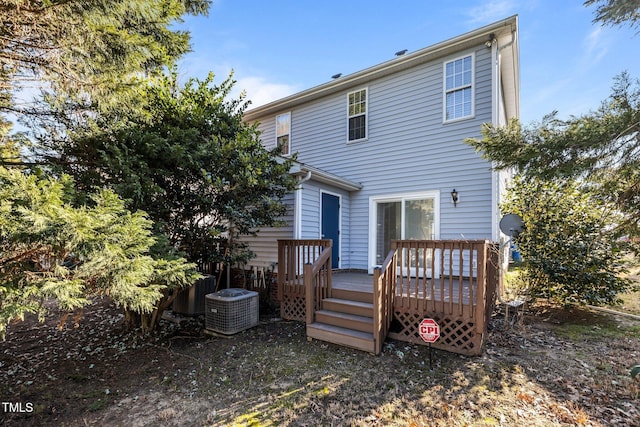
x: 387, y: 186
x: 380, y: 152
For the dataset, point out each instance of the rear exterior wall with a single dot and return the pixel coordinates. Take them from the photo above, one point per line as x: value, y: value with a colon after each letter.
x: 409, y: 148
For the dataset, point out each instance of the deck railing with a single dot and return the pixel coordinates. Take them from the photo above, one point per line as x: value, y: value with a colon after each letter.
x: 317, y: 283
x: 384, y: 288
x: 443, y: 276
x: 292, y: 257
x: 453, y: 281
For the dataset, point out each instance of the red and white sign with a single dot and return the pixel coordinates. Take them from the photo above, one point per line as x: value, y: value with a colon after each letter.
x: 429, y: 330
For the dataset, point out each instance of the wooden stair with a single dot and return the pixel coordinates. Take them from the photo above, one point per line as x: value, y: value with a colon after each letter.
x: 345, y: 319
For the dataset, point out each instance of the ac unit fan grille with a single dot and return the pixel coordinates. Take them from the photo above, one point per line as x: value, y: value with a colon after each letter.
x: 231, y: 310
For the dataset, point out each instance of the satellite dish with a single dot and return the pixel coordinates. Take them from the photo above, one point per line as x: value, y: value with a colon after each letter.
x: 511, y: 225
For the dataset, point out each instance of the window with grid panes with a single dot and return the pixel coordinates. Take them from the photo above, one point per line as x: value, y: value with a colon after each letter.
x: 283, y: 133
x: 358, y: 115
x: 459, y: 88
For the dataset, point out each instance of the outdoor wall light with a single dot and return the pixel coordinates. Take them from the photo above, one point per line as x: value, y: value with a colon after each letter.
x: 454, y: 197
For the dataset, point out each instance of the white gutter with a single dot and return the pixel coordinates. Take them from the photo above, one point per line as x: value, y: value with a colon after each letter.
x: 325, y: 177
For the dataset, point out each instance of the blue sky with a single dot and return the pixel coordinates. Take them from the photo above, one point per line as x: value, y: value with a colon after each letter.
x: 280, y: 47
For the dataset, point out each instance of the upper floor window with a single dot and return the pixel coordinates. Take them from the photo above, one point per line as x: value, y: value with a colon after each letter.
x: 283, y: 133
x: 358, y: 115
x: 458, y: 90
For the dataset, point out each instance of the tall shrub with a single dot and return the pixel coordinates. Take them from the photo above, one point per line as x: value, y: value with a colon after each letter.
x: 571, y: 251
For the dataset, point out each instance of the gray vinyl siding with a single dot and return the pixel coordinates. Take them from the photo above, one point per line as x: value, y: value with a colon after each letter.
x: 265, y: 243
x: 310, y: 210
x: 408, y: 149
x: 311, y: 216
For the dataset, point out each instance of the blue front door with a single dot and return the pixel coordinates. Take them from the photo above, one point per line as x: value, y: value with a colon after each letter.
x: 331, y: 225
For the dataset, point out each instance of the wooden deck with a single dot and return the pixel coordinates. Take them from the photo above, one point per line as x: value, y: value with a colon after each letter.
x: 441, y: 290
x: 341, y: 306
x: 352, y: 281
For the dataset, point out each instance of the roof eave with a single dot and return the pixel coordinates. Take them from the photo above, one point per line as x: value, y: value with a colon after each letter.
x: 418, y: 57
x: 301, y: 170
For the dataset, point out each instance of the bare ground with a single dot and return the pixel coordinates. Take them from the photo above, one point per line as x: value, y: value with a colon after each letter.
x: 553, y: 368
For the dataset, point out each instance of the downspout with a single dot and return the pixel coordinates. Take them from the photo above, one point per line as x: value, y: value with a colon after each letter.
x: 496, y: 121
x: 297, y: 215
x: 503, y: 256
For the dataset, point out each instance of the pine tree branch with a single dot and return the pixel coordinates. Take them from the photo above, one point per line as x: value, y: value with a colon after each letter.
x: 20, y: 256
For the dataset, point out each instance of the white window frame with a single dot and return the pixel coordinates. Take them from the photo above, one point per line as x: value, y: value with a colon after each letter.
x: 470, y: 86
x: 402, y: 197
x: 365, y: 114
x: 278, y: 135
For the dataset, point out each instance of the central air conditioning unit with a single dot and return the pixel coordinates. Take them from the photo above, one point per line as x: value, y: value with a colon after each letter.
x: 190, y: 301
x: 231, y: 310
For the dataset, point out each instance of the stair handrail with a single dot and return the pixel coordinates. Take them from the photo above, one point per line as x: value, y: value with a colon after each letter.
x: 384, y: 281
x: 313, y: 273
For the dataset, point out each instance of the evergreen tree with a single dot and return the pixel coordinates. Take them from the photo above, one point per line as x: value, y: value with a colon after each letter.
x: 579, y: 189
x: 578, y: 195
x: 88, y: 58
x: 87, y: 48
x: 616, y: 12
x: 50, y: 249
x: 189, y: 160
x: 601, y: 147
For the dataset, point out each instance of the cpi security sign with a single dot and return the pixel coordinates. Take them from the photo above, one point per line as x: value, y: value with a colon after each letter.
x: 429, y: 330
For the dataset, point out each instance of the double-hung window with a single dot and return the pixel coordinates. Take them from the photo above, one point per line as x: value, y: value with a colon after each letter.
x: 283, y: 133
x: 458, y: 88
x: 358, y: 115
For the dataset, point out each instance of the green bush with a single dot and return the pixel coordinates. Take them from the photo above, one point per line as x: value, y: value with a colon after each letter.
x: 571, y: 252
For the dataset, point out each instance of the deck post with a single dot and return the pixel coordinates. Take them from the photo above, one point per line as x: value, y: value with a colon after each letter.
x: 281, y: 271
x: 481, y: 282
x: 309, y: 293
x: 494, y: 279
x: 377, y: 318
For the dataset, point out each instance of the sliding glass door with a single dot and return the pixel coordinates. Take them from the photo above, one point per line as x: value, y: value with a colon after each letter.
x: 409, y: 217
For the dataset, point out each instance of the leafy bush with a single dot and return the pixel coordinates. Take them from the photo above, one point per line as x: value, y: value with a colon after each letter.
x: 570, y: 248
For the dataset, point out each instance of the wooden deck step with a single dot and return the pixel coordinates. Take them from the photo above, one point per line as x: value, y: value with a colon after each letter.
x: 340, y: 305
x: 345, y: 320
x: 352, y: 295
x: 342, y: 336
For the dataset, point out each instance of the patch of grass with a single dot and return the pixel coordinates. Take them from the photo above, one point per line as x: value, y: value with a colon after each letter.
x: 582, y: 332
x: 252, y: 419
x: 630, y: 303
x: 39, y: 408
x: 631, y: 300
x: 78, y: 378
x: 88, y: 395
x: 98, y: 405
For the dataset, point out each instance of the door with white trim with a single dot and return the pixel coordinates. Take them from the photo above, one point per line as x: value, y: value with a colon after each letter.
x: 331, y: 225
x: 406, y: 217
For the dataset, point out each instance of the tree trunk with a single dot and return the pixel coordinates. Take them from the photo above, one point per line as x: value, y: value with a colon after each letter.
x: 147, y: 322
